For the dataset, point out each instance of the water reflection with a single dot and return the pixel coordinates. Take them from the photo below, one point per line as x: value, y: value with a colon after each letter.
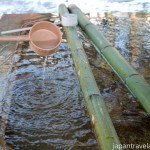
x: 127, y: 32
x: 47, y: 107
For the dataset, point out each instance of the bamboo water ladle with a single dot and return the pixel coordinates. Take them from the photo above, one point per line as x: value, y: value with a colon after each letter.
x: 44, y: 37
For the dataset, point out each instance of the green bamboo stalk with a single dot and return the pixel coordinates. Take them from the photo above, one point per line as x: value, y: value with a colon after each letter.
x: 129, y: 76
x: 104, y: 129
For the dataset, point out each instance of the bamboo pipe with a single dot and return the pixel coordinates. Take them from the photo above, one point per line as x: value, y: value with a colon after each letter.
x: 104, y: 129
x: 129, y: 76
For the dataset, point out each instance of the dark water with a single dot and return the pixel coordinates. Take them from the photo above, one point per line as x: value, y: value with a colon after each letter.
x: 48, y: 110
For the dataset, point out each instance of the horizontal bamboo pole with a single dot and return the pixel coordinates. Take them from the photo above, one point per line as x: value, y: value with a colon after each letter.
x: 130, y: 77
x: 104, y: 129
x: 15, y: 30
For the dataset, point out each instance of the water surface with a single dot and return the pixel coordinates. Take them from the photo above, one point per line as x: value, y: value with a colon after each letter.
x: 47, y: 108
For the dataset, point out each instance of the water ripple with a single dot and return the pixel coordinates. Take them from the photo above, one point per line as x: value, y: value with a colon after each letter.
x: 46, y: 103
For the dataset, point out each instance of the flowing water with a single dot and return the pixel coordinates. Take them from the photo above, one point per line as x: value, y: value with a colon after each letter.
x: 47, y: 105
x: 47, y: 108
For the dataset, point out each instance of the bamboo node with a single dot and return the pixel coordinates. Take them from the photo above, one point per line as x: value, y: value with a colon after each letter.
x: 92, y: 94
x: 102, y: 50
x: 89, y: 23
x: 131, y: 75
